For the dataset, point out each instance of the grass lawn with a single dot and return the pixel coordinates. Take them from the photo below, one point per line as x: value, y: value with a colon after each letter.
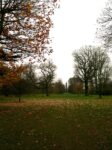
x: 56, y: 124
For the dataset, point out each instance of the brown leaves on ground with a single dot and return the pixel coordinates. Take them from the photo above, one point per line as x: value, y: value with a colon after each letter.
x: 57, y: 103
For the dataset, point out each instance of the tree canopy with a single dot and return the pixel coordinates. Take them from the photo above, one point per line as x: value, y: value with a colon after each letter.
x: 25, y: 27
x: 105, y: 25
x: 92, y: 66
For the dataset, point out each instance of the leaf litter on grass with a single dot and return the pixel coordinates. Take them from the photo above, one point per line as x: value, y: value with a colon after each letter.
x: 54, y: 124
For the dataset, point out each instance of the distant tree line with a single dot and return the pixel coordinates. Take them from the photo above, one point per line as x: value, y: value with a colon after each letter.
x: 92, y: 75
x: 33, y: 80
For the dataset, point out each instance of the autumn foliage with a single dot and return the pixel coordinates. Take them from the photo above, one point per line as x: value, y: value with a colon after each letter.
x: 24, y: 33
x: 10, y: 74
x: 25, y: 27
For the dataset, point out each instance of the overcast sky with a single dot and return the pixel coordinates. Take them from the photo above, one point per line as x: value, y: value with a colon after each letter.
x: 74, y: 26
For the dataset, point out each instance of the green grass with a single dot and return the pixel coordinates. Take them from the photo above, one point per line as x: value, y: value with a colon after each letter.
x: 56, y: 124
x: 65, y: 96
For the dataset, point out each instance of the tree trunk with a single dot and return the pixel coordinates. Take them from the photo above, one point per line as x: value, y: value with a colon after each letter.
x: 96, y: 85
x: 86, y: 87
x: 100, y: 86
x: 100, y: 90
x: 19, y: 99
x: 47, y: 90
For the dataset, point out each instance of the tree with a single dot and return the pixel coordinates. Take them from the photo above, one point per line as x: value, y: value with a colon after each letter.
x: 102, y: 69
x: 105, y: 25
x: 24, y: 28
x: 92, y: 66
x: 107, y: 88
x: 46, y: 75
x: 75, y: 85
x: 58, y: 87
x: 9, y: 76
x: 19, y: 88
x: 83, y: 65
x: 30, y: 76
x: 28, y: 82
x: 40, y: 77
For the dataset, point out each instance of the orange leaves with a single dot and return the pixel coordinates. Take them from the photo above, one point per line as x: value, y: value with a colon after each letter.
x: 27, y: 8
x: 6, y: 31
x: 25, y: 32
x: 26, y: 28
x: 10, y: 74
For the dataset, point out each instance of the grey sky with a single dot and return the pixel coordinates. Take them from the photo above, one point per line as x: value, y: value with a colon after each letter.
x: 74, y: 26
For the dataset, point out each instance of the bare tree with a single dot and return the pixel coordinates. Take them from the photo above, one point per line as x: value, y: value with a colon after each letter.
x: 83, y: 65
x: 47, y: 74
x: 58, y: 87
x: 75, y: 85
x: 102, y: 69
x: 92, y: 66
x: 105, y: 25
